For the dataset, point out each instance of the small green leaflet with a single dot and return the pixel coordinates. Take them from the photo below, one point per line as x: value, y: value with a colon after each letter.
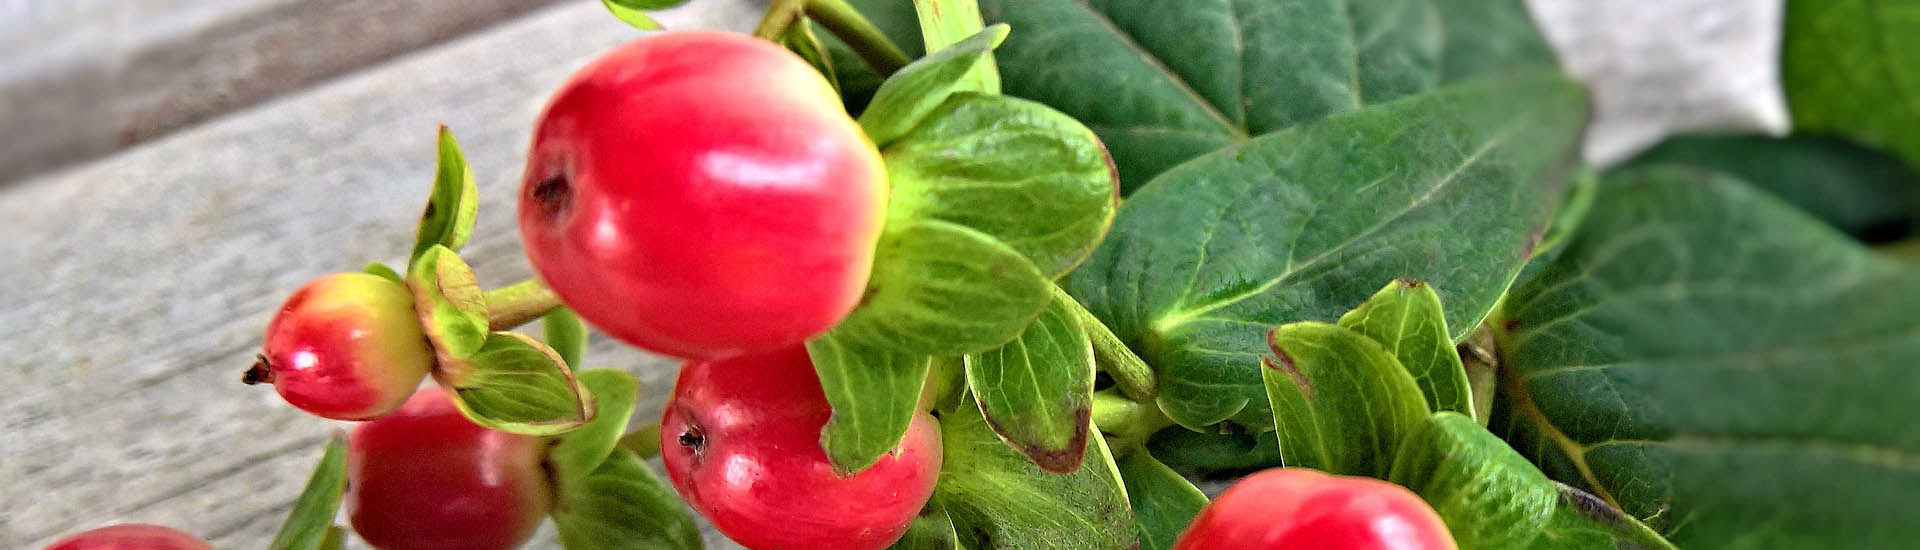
x: 1017, y: 170
x: 1163, y: 502
x: 950, y: 22
x: 1036, y: 391
x: 875, y: 394
x: 1491, y: 497
x: 1407, y: 317
x: 566, y: 334
x: 1452, y: 187
x: 451, y: 306
x: 907, y: 97
x: 1001, y: 501
x: 377, y: 268
x: 582, y: 450
x: 622, y: 505
x: 451, y: 210
x: 1721, y: 366
x: 931, y: 530
x: 516, y: 384
x: 1852, y: 67
x: 308, y: 525
x: 1341, y: 402
x: 939, y: 288
x: 634, y: 12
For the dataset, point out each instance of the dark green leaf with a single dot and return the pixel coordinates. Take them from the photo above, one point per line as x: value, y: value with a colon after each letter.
x: 448, y: 218
x: 1852, y: 67
x: 1037, y: 391
x: 582, y: 450
x: 518, y: 385
x: 1178, y: 79
x: 1209, y: 452
x: 931, y: 530
x: 451, y: 306
x: 622, y: 505
x: 566, y: 334
x: 906, y: 98
x: 307, y: 526
x: 1861, y: 191
x: 1407, y: 317
x: 1163, y: 502
x: 1014, y: 169
x: 939, y: 288
x: 874, y: 393
x: 1722, y: 366
x: 377, y: 268
x: 1341, y: 402
x: 1451, y: 187
x: 801, y: 40
x: 1001, y: 501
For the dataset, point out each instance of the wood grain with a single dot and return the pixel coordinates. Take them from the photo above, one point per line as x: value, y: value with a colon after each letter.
x: 133, y: 290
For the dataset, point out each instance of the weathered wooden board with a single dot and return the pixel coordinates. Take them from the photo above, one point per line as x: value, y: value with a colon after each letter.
x: 134, y: 289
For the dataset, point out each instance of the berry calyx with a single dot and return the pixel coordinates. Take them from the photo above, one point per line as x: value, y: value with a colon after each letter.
x: 1289, y: 508
x: 131, y: 536
x: 346, y: 346
x: 703, y: 195
x: 741, y: 441
x: 426, y: 478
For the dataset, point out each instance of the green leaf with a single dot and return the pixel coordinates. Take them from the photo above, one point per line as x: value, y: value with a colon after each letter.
x: 1163, y: 502
x: 1407, y: 317
x: 622, y: 505
x: 308, y: 525
x: 583, y: 449
x: 335, y: 539
x: 945, y: 22
x: 874, y: 393
x: 1014, y: 169
x: 1000, y: 500
x: 1037, y: 391
x: 1852, y: 67
x: 451, y: 306
x: 1451, y: 187
x: 448, y: 218
x: 906, y: 98
x: 1863, y: 192
x: 1209, y: 452
x: 1341, y: 402
x: 566, y: 334
x: 801, y: 40
x: 939, y: 288
x: 518, y: 385
x: 1181, y: 79
x: 1722, y: 366
x: 931, y: 530
x: 377, y: 268
x: 1491, y: 497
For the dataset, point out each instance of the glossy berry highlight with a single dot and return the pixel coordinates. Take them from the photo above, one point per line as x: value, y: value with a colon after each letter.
x: 426, y: 478
x: 741, y: 441
x: 346, y: 346
x: 1294, y: 508
x: 703, y: 195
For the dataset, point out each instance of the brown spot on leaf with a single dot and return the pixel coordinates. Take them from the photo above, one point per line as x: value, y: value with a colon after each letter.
x: 1409, y: 282
x: 1283, y: 362
x: 1059, y: 461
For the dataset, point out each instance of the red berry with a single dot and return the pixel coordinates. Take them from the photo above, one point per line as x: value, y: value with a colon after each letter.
x: 426, y: 478
x: 131, y: 536
x: 703, y: 195
x: 347, y: 346
x: 741, y: 440
x: 1292, y: 508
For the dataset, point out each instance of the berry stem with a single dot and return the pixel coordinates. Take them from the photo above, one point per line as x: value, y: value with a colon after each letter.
x: 519, y: 303
x: 840, y: 19
x: 1126, y: 423
x: 1130, y: 374
x: 945, y: 22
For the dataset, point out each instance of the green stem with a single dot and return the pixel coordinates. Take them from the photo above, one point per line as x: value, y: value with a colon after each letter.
x: 945, y: 22
x: 780, y: 15
x: 1126, y: 423
x: 644, y: 441
x: 860, y: 34
x: 1129, y: 372
x: 519, y: 303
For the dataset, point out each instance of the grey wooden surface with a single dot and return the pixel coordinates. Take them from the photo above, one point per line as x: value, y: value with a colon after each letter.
x: 135, y: 288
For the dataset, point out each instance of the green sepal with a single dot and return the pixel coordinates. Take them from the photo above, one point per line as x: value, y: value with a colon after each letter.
x: 906, y: 98
x: 451, y: 210
x: 516, y: 384
x: 451, y: 306
x: 384, y: 272
x: 875, y: 394
x: 309, y: 524
x: 634, y: 12
x: 581, y: 450
x: 939, y: 288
